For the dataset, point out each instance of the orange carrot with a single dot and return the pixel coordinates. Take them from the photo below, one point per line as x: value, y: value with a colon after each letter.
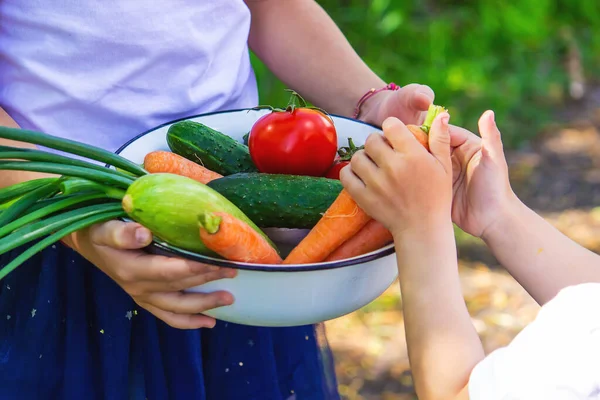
x: 342, y: 220
x: 235, y: 240
x: 421, y: 136
x: 371, y: 237
x: 167, y: 162
x: 422, y: 132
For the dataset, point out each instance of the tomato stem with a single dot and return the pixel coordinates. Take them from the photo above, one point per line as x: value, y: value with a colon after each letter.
x: 265, y: 108
x: 296, y: 101
x: 347, y: 152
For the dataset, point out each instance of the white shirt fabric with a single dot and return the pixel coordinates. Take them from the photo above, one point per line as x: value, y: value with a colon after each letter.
x: 556, y: 357
x: 104, y: 71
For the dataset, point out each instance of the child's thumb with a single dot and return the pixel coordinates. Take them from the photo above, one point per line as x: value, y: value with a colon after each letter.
x: 491, y: 143
x: 439, y: 140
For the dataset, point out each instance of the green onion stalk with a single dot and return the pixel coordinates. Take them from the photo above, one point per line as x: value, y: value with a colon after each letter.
x: 45, y: 210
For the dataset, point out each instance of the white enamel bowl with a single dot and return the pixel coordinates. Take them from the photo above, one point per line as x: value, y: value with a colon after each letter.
x: 290, y: 295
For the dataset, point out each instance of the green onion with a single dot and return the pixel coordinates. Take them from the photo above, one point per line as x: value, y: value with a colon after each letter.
x: 73, y: 147
x: 46, y: 202
x: 51, y: 208
x: 9, y: 203
x: 68, y: 170
x: 25, y: 202
x: 47, y: 226
x: 78, y: 185
x: 19, y: 189
x: 80, y: 224
x: 8, y: 153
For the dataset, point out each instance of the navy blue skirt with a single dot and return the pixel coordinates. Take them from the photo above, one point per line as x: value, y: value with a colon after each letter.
x: 67, y: 331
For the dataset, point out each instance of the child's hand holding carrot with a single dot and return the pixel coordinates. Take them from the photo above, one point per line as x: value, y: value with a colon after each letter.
x: 398, y: 182
x: 409, y: 190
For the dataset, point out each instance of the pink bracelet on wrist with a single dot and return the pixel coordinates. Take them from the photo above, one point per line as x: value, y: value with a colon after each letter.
x: 371, y: 93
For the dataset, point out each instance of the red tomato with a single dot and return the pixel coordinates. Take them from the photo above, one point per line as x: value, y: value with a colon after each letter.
x: 334, y: 171
x: 342, y: 159
x: 298, y: 141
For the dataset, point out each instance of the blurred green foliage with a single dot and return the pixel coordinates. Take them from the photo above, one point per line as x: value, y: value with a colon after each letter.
x: 475, y: 54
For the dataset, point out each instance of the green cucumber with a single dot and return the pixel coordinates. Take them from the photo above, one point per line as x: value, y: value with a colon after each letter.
x: 169, y: 205
x: 209, y: 148
x: 279, y: 201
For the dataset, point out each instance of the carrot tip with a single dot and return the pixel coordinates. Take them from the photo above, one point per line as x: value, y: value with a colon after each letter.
x: 209, y: 222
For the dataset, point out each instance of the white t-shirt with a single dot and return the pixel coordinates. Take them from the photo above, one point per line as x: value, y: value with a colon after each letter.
x: 556, y: 357
x: 102, y: 72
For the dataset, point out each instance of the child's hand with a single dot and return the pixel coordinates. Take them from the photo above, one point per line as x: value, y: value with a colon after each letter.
x: 482, y: 191
x: 398, y: 182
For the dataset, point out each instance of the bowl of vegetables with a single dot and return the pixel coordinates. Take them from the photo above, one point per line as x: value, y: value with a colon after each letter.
x: 285, y: 203
x: 255, y: 189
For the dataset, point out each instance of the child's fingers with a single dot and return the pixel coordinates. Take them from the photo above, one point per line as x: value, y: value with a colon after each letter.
x: 459, y: 136
x: 399, y: 137
x: 351, y: 182
x: 491, y: 144
x: 363, y: 167
x: 439, y: 140
x: 378, y: 149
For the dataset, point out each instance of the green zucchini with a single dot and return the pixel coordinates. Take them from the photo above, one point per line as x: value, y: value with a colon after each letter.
x: 210, y: 148
x: 169, y: 205
x: 279, y: 201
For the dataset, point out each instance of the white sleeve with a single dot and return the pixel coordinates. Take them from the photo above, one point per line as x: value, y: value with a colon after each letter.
x: 556, y: 357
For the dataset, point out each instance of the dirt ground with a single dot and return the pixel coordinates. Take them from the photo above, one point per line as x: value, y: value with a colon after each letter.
x: 558, y: 176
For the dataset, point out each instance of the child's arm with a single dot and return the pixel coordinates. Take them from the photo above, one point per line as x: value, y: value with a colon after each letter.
x: 541, y: 259
x: 443, y: 346
x: 410, y: 191
x: 304, y: 48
